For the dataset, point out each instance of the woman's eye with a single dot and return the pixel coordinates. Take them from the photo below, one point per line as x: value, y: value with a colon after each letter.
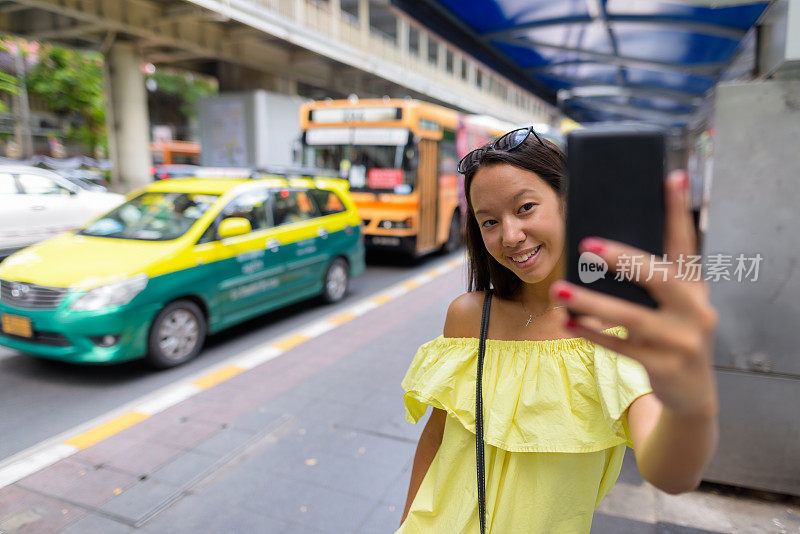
x: 527, y: 206
x: 488, y: 223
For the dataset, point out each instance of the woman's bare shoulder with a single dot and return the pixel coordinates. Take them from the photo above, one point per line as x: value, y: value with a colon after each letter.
x: 464, y: 315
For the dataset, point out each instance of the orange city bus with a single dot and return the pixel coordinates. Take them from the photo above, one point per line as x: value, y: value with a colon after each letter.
x: 400, y: 159
x: 175, y: 152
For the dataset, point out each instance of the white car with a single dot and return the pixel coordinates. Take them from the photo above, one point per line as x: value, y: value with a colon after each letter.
x: 36, y: 204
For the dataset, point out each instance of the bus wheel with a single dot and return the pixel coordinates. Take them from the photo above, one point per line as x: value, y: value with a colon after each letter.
x: 177, y: 334
x: 453, y: 236
x: 335, y: 283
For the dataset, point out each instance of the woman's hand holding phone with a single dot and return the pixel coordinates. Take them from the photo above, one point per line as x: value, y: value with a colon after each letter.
x: 673, y: 342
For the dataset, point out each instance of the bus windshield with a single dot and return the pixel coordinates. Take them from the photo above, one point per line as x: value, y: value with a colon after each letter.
x: 367, y: 167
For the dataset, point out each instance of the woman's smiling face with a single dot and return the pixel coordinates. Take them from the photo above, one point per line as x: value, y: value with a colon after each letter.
x: 521, y: 220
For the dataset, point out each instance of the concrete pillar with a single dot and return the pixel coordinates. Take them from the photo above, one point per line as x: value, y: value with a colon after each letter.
x: 752, y: 209
x: 363, y: 21
x: 778, y: 51
x: 290, y: 86
x: 129, y: 124
x: 229, y: 76
x: 238, y: 78
x: 793, y: 33
x: 441, y: 56
x: 21, y: 107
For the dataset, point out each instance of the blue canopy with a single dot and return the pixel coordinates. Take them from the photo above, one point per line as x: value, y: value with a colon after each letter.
x: 599, y: 59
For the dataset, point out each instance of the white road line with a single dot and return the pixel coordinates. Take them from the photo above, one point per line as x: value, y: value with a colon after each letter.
x: 54, y: 449
x: 318, y: 328
x: 362, y: 307
x: 168, y: 398
x: 396, y: 291
x: 35, y: 462
x: 443, y: 269
x: 256, y: 356
x: 423, y: 278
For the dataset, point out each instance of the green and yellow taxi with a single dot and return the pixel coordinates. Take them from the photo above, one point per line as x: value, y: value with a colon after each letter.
x: 178, y: 260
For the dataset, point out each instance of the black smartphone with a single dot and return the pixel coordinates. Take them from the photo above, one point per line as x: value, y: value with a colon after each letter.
x: 615, y: 190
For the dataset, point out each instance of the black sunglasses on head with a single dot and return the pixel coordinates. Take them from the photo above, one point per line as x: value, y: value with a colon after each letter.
x: 507, y: 142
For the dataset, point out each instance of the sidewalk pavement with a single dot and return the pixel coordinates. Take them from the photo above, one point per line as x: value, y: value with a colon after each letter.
x: 311, y: 441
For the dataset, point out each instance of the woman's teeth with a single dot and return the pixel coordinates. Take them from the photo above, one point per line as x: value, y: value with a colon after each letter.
x: 524, y: 257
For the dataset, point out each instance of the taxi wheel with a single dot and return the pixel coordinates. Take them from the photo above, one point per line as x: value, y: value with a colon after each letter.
x: 336, y: 279
x: 177, y: 334
x: 453, y: 236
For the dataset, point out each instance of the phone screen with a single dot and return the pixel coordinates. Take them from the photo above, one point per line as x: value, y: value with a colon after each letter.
x: 615, y: 190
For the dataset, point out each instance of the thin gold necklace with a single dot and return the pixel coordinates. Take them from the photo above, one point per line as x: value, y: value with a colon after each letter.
x: 532, y: 316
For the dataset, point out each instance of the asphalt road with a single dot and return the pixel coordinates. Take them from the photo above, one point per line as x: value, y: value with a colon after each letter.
x: 41, y: 398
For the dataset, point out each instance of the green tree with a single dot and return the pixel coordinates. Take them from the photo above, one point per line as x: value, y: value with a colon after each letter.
x: 71, y: 83
x: 185, y: 86
x: 8, y: 83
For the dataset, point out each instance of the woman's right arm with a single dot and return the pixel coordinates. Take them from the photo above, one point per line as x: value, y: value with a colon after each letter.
x: 427, y: 447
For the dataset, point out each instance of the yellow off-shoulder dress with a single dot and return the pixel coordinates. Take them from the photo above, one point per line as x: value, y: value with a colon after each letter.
x: 555, y: 430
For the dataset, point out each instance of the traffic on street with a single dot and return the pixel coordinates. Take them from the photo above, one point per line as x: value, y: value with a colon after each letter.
x: 399, y: 266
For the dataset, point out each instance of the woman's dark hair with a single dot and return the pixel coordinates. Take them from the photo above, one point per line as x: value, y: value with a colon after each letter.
x: 548, y: 162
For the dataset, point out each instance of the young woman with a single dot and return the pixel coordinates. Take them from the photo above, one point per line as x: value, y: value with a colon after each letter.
x: 560, y: 400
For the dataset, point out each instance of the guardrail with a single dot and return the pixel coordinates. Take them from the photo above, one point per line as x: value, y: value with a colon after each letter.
x: 345, y: 28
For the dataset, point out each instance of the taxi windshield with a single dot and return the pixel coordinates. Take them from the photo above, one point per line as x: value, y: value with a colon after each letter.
x: 153, y: 216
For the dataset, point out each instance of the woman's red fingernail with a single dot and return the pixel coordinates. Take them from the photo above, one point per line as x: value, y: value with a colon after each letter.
x: 592, y: 244
x: 685, y: 181
x: 571, y: 323
x: 564, y: 293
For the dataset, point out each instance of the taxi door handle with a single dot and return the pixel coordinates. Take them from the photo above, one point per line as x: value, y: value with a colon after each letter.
x: 323, y: 233
x: 273, y: 245
x: 37, y: 208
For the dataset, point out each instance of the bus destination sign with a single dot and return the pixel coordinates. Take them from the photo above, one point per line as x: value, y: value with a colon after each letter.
x: 363, y: 114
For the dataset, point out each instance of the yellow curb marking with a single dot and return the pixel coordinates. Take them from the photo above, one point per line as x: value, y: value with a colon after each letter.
x: 381, y: 299
x: 97, y: 434
x: 291, y: 342
x: 411, y: 284
x: 220, y: 375
x: 342, y: 318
